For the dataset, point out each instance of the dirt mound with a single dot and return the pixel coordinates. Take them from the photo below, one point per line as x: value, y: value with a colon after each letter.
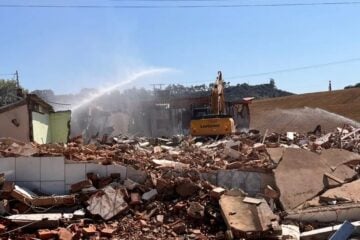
x: 304, y: 112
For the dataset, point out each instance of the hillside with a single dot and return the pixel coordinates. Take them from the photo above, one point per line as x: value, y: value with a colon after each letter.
x: 303, y: 112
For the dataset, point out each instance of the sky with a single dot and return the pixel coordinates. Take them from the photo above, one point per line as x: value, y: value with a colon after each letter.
x: 67, y: 49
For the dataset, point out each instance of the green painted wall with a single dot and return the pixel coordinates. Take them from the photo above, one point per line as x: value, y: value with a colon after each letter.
x: 41, y: 130
x: 59, y: 126
x: 51, y: 128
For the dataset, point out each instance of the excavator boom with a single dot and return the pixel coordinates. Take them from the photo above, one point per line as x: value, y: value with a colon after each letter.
x: 216, y: 123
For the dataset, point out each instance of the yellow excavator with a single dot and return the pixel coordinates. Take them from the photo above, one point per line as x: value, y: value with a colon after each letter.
x: 213, y: 121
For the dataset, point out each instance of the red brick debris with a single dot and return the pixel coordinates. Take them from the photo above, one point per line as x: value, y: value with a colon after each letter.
x: 174, y: 201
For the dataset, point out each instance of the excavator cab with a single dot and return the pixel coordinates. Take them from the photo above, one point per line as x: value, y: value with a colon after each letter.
x: 213, y: 120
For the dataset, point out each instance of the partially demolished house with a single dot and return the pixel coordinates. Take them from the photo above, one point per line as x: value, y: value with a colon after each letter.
x: 31, y: 119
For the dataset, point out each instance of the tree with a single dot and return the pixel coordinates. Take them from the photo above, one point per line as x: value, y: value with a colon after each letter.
x: 8, y: 91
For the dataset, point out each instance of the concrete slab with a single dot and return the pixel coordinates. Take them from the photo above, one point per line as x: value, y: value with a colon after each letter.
x: 275, y: 154
x: 27, y: 169
x: 7, y: 166
x: 96, y: 168
x: 336, y: 157
x: 52, y: 169
x: 299, y: 177
x: 74, y: 173
x: 53, y: 187
x: 243, y: 218
x: 136, y: 175
x: 116, y: 169
x: 344, y: 173
x: 347, y: 191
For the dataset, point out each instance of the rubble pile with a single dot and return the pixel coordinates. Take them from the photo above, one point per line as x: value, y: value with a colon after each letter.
x: 143, y: 153
x: 182, y: 204
x: 346, y: 137
x: 311, y: 183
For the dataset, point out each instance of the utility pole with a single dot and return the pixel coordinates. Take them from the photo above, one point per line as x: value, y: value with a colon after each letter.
x: 17, y: 79
x: 330, y: 88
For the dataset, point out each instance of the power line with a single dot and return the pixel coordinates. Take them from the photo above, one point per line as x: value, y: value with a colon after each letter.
x: 174, y: 0
x: 314, y: 66
x: 296, y: 68
x: 179, y: 6
x: 7, y: 74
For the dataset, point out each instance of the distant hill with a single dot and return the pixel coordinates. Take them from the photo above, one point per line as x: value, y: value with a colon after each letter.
x: 116, y: 101
x: 232, y: 92
x: 261, y: 91
x: 353, y: 86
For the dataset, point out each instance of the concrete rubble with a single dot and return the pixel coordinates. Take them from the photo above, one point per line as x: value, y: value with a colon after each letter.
x: 247, y: 186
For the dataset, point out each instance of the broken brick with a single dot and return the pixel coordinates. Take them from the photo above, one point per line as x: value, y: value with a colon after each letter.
x: 93, y: 177
x: 2, y: 228
x: 135, y: 199
x: 64, y: 234
x: 179, y: 228
x: 76, y: 187
x: 90, y: 230
x: 196, y: 210
x: 103, y: 182
x: 8, y: 187
x: 143, y: 223
x: 45, y: 234
x: 185, y: 187
x: 217, y: 192
x: 160, y: 219
x: 107, y: 232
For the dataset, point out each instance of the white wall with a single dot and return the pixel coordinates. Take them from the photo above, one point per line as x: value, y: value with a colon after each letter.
x: 51, y: 174
x: 55, y: 175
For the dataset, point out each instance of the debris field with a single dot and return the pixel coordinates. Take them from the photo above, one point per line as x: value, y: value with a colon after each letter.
x: 184, y: 189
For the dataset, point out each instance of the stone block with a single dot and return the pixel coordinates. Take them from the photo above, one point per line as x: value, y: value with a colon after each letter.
x: 27, y: 169
x: 225, y: 178
x: 253, y: 182
x: 96, y: 168
x: 74, y: 172
x: 53, y: 187
x: 52, y: 169
x: 7, y: 166
x: 238, y: 179
x: 211, y: 177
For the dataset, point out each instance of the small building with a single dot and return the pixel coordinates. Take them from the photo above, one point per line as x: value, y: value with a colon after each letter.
x: 31, y: 119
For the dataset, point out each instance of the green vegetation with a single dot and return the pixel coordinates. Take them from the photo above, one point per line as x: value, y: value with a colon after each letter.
x: 353, y: 86
x: 9, y: 92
